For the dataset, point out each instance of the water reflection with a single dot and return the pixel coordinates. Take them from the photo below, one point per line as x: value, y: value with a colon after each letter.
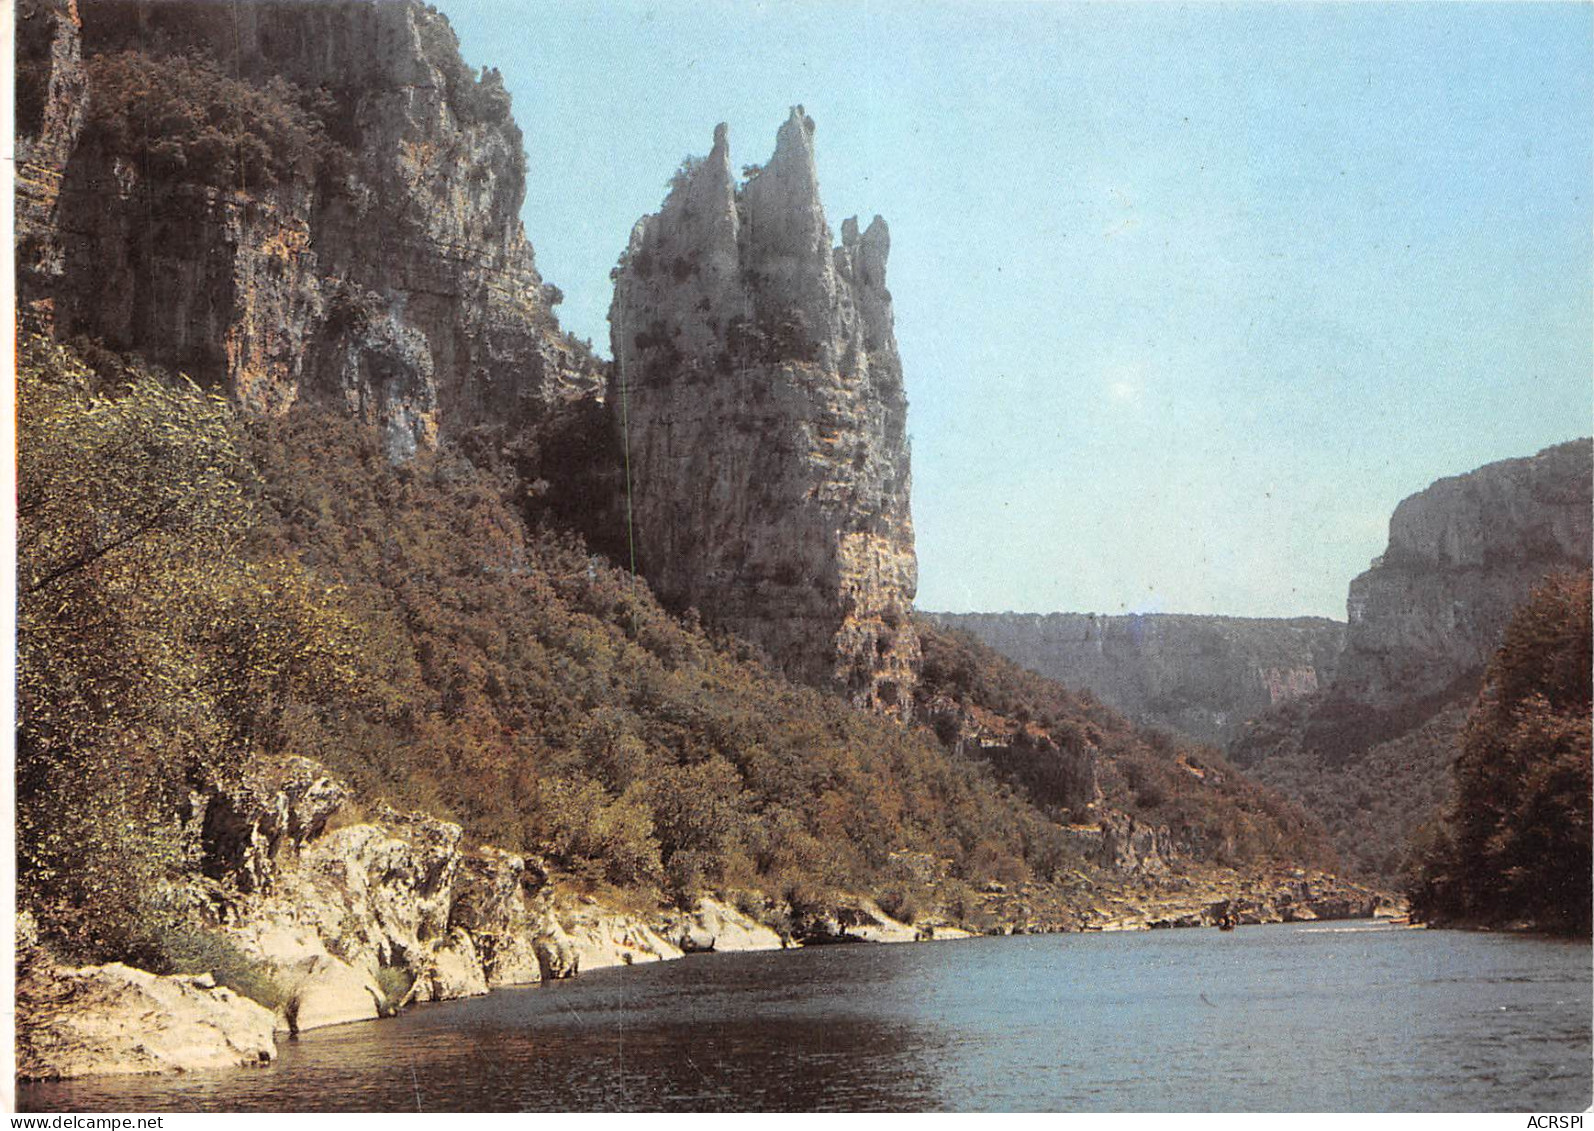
x: 1274, y: 1018
x: 733, y: 1032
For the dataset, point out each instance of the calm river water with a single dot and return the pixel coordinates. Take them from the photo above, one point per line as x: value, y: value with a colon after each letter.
x: 1292, y: 1017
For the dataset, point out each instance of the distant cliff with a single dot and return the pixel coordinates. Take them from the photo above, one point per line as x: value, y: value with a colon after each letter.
x: 1462, y: 556
x: 287, y: 201
x: 1369, y: 753
x: 759, y: 395
x: 1198, y: 675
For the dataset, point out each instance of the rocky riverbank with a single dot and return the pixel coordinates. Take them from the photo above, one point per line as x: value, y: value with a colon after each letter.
x: 354, y: 915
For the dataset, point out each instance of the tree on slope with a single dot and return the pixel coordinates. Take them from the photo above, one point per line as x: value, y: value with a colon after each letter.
x: 154, y: 654
x: 1515, y: 844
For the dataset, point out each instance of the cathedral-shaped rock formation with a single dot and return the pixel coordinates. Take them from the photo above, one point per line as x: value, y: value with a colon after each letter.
x: 759, y: 394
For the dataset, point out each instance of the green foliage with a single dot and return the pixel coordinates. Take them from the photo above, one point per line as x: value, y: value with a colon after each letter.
x: 197, y: 592
x: 1515, y: 844
x: 1371, y: 804
x: 171, y: 943
x: 395, y: 983
x: 1212, y: 809
x: 180, y: 119
x: 154, y: 654
x: 539, y: 694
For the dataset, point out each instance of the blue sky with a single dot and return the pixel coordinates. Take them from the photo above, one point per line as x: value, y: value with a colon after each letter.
x: 1188, y: 297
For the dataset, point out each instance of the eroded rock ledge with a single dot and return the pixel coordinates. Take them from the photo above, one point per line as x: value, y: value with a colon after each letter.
x: 117, y: 1020
x: 355, y: 914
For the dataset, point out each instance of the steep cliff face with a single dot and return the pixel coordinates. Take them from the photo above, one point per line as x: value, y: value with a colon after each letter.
x: 50, y: 82
x: 759, y: 395
x: 1200, y: 676
x: 351, y: 233
x: 1369, y: 752
x: 1462, y: 555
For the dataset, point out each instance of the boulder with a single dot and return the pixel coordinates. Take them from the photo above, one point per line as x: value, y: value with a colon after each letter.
x: 489, y: 902
x: 730, y: 928
x: 115, y: 1019
x: 452, y: 970
x: 555, y: 951
x: 863, y: 919
x: 509, y: 960
x: 329, y: 991
x: 693, y: 938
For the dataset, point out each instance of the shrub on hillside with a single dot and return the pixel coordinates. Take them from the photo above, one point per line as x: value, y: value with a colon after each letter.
x: 1213, y: 810
x: 541, y: 695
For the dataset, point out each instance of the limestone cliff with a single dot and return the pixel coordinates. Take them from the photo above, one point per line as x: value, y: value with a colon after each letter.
x: 1201, y: 676
x: 1462, y: 555
x: 759, y: 396
x: 50, y: 82
x: 1369, y: 752
x: 350, y: 233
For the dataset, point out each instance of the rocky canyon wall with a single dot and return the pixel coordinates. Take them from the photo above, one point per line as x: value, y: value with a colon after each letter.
x: 1370, y: 753
x: 1200, y: 676
x: 758, y: 392
x: 350, y: 233
x: 1462, y: 555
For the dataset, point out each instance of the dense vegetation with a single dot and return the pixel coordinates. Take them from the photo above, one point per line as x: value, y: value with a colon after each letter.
x: 180, y: 119
x: 1514, y: 846
x: 172, y: 92
x: 1212, y: 809
x: 34, y: 39
x: 154, y: 656
x: 198, y: 591
x: 1372, y: 800
x: 541, y: 696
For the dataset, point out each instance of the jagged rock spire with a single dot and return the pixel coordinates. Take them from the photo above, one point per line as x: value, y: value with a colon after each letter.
x: 760, y: 393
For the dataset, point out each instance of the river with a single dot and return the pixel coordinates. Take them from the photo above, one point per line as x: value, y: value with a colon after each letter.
x: 1293, y: 1017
